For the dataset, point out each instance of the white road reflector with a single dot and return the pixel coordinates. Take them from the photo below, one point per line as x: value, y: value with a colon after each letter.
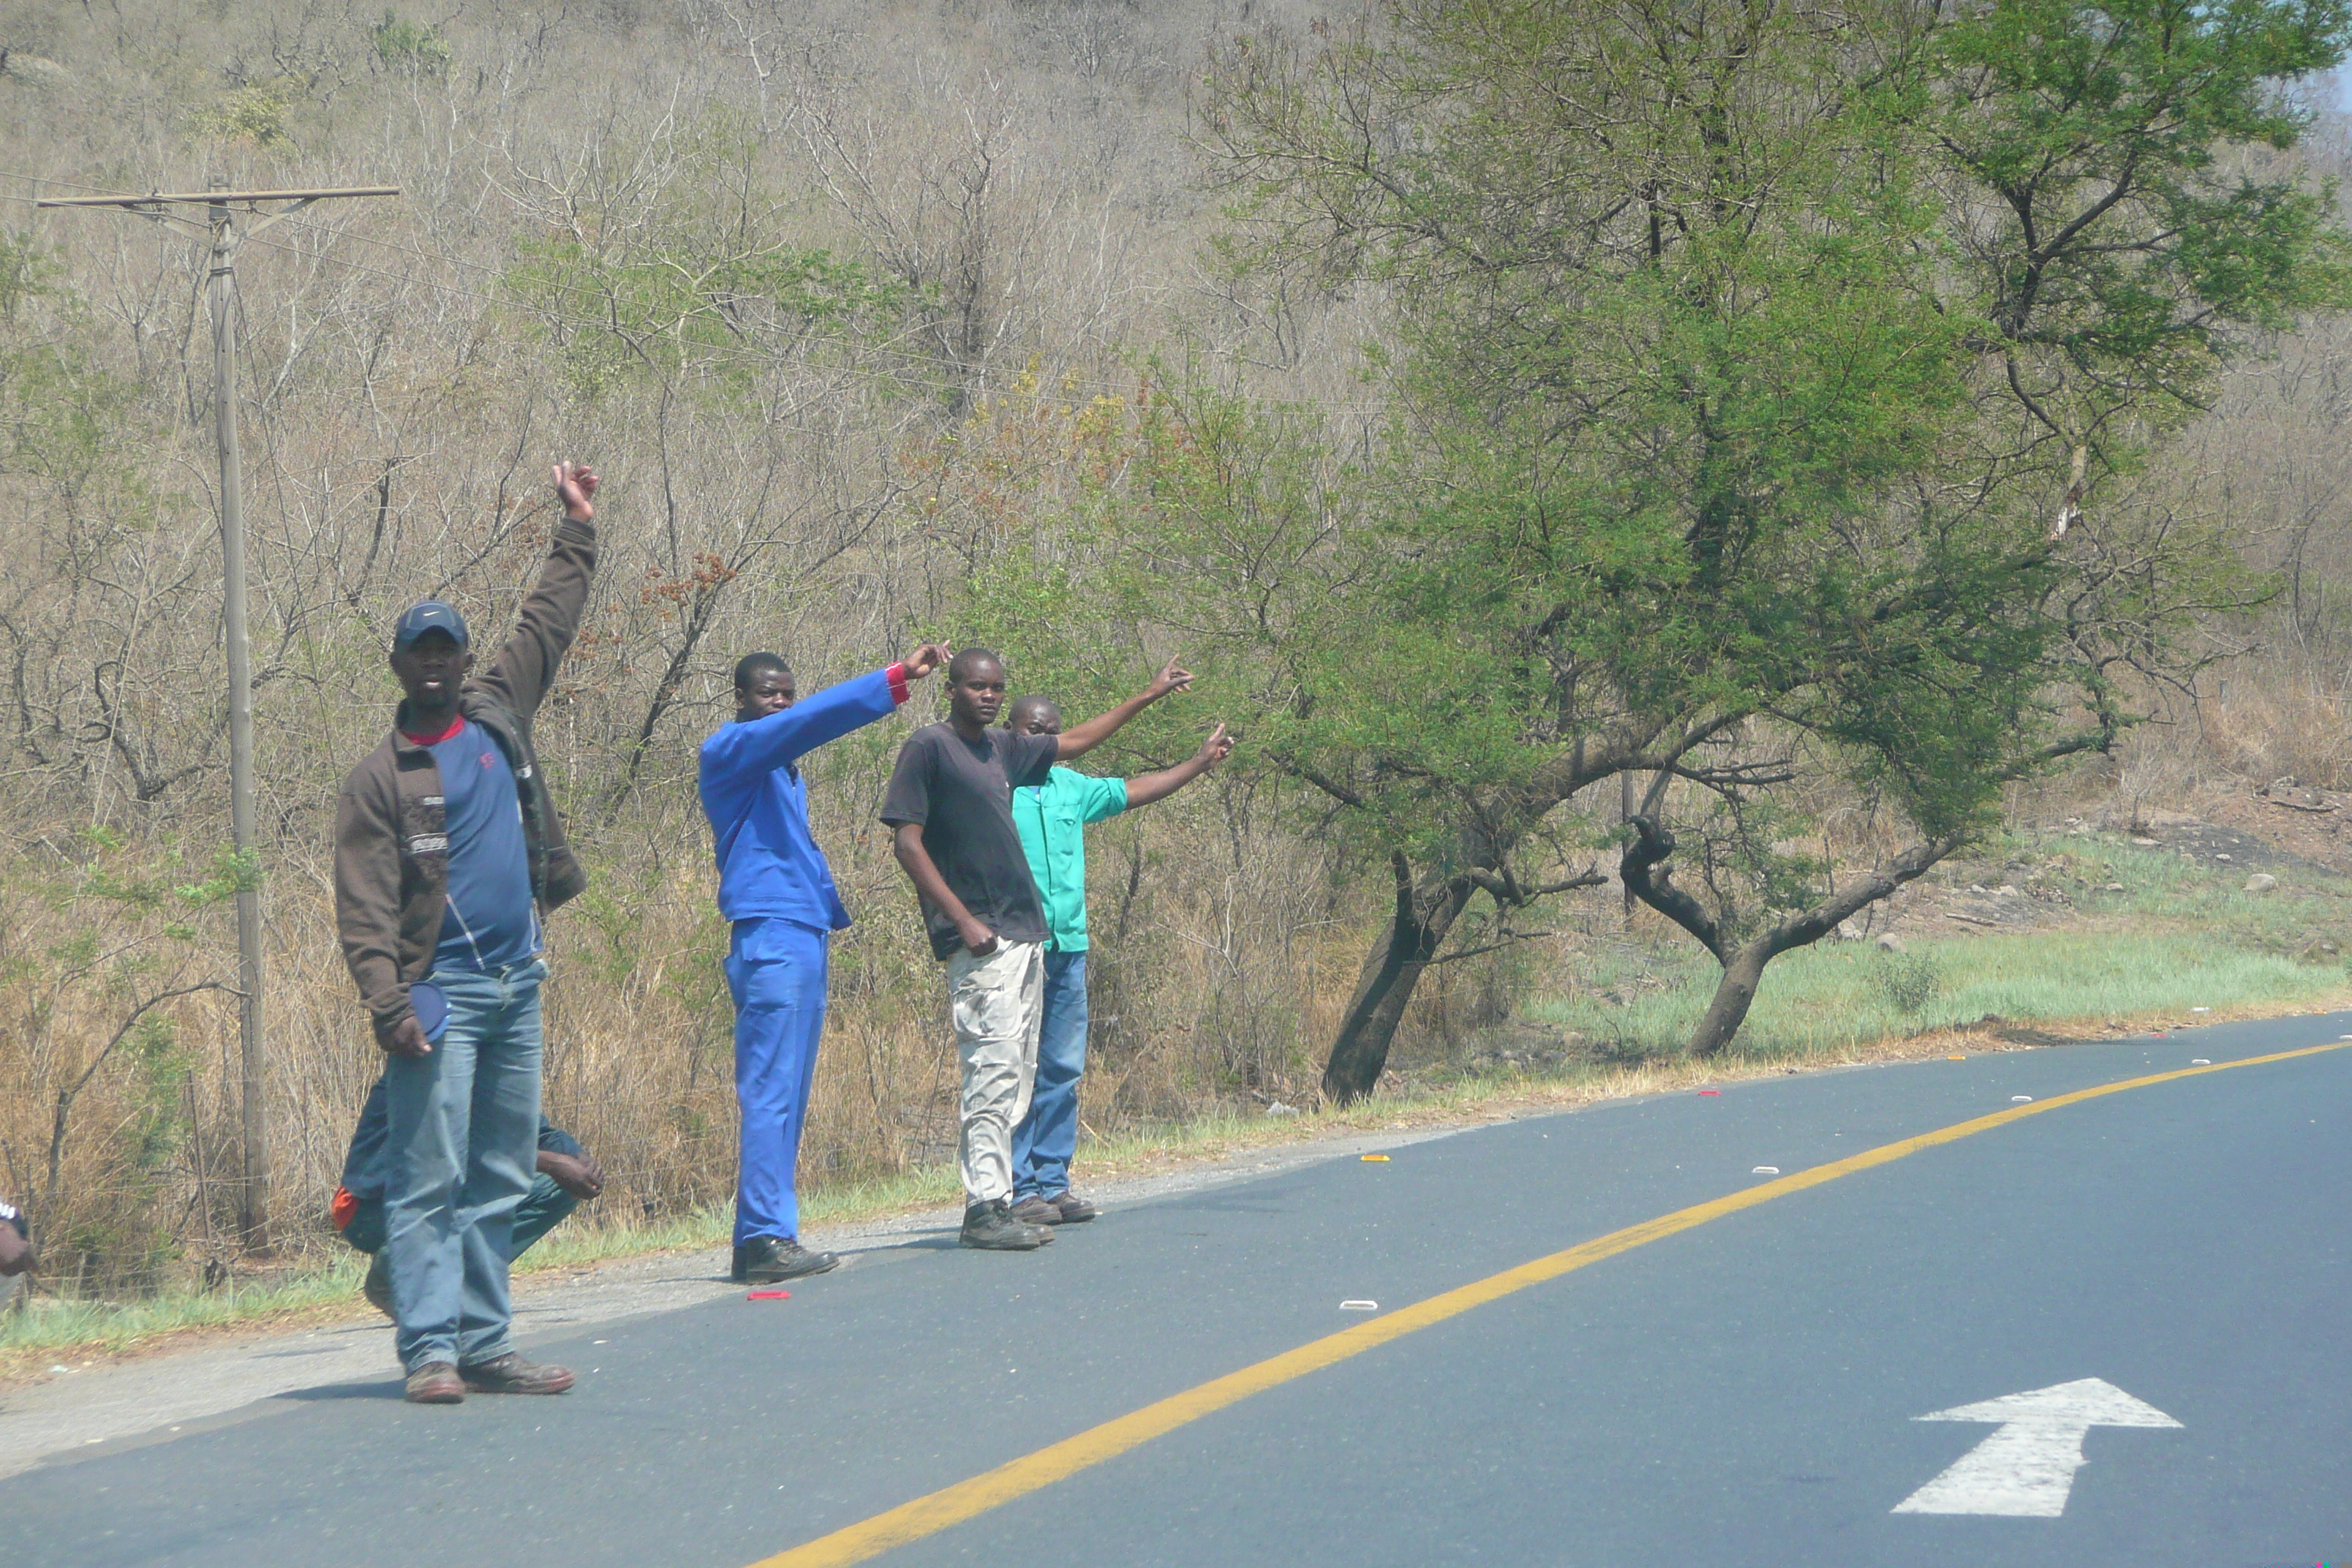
x: 2201, y: 1061
x: 2020, y: 1099
x: 1765, y: 1170
x: 2026, y: 1469
x: 1360, y: 1306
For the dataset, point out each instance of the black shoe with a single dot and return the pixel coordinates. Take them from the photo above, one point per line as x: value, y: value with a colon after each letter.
x: 1036, y: 1210
x: 992, y: 1228
x: 765, y: 1259
x: 377, y: 1287
x: 1073, y: 1209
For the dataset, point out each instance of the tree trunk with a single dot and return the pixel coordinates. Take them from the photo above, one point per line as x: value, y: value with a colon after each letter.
x: 1422, y: 916
x: 1733, y: 995
x: 1743, y: 969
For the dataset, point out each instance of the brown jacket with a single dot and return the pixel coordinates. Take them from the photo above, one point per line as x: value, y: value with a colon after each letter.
x: 391, y: 847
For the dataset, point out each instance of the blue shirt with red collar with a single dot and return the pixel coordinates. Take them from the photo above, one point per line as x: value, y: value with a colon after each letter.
x: 489, y: 921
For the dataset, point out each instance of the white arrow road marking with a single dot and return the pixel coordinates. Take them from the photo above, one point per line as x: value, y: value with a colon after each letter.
x: 2025, y: 1469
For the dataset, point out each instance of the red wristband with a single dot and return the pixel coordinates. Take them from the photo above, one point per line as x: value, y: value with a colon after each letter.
x: 896, y: 676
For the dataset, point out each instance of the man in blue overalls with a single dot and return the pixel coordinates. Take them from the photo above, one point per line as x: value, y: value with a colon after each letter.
x: 777, y: 891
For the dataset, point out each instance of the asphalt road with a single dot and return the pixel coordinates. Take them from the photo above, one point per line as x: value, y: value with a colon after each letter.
x: 1744, y: 1392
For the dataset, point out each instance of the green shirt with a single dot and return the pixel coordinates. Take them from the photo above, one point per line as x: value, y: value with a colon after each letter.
x: 1052, y: 819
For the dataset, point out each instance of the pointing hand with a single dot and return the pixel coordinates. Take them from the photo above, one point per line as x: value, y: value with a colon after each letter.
x: 1174, y: 677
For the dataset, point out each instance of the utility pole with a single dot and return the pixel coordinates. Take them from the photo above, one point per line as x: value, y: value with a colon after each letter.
x: 220, y: 230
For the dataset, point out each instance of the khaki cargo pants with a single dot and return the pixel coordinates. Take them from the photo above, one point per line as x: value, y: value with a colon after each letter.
x: 997, y: 1002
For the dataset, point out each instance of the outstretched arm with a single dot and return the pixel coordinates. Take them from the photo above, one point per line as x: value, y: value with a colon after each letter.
x: 907, y: 845
x: 1080, y: 738
x: 1145, y: 788
x: 753, y: 749
x: 524, y: 670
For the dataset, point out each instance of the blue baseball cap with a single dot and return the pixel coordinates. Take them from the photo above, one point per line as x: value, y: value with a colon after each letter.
x: 427, y: 615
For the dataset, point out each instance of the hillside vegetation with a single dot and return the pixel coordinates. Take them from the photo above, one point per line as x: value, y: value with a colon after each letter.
x: 1495, y: 501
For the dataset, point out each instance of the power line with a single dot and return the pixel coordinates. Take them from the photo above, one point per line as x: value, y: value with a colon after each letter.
x: 916, y: 359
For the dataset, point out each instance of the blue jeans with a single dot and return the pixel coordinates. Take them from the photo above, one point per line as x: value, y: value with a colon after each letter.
x: 1049, y: 1136
x: 776, y: 973
x: 544, y: 1207
x: 464, y: 1149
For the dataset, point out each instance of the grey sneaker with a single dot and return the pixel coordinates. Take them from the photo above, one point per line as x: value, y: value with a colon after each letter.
x: 992, y: 1228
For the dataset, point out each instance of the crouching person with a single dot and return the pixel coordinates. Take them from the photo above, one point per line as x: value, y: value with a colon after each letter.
x: 17, y: 1255
x: 567, y: 1177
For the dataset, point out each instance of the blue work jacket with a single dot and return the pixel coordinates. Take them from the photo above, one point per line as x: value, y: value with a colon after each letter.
x: 769, y: 866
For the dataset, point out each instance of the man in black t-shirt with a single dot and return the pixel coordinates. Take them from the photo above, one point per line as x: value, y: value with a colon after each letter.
x: 950, y: 808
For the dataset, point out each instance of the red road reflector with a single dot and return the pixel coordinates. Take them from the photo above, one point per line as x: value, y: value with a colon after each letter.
x: 1710, y: 1092
x: 767, y: 1295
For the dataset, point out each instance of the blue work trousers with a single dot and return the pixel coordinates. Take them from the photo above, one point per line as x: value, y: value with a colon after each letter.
x: 1047, y: 1138
x: 463, y: 1151
x: 776, y: 973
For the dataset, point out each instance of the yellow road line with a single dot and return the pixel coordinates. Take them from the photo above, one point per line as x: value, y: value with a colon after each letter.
x: 952, y: 1505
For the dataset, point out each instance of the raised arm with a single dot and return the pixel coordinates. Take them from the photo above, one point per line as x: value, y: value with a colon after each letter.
x: 1145, y: 788
x: 1080, y: 738
x: 524, y: 670
x: 760, y: 746
x: 907, y: 845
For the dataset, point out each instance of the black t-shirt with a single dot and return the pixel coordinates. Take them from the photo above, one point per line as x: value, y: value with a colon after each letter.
x: 961, y: 793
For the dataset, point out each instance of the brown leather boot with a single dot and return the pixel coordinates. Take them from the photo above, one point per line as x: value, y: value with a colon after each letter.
x: 436, y: 1383
x: 510, y: 1374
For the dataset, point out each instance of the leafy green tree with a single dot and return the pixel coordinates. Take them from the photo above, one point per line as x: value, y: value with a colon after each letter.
x: 1750, y: 370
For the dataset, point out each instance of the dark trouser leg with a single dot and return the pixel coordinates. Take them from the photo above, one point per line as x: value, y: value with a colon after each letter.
x: 542, y: 1208
x: 367, y: 1231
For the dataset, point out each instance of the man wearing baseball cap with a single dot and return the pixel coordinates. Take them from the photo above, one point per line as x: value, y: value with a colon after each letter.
x: 448, y: 848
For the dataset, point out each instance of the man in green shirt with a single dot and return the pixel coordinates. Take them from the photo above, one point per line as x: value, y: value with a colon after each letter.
x: 1052, y: 819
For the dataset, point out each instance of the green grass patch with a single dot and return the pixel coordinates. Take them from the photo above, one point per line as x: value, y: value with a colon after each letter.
x: 2156, y: 932
x: 57, y: 1323
x: 1834, y: 999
